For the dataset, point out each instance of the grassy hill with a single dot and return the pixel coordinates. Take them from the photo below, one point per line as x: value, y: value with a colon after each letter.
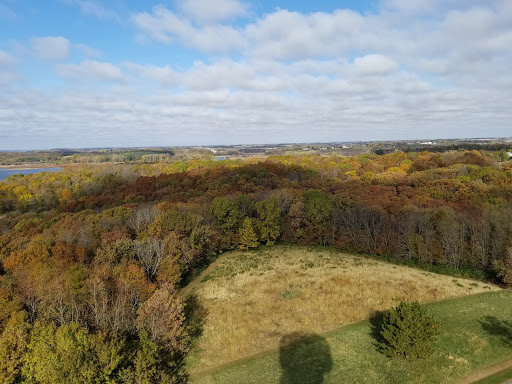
x: 476, y: 333
x: 256, y: 301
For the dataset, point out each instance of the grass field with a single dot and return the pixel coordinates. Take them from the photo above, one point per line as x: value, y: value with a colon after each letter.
x: 499, y: 378
x: 502, y: 376
x: 255, y: 300
x: 475, y: 334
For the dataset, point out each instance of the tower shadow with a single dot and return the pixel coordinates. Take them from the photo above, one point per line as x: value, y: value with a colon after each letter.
x: 305, y: 358
x: 500, y: 328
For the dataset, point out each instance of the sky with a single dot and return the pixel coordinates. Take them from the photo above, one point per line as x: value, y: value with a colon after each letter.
x: 126, y: 73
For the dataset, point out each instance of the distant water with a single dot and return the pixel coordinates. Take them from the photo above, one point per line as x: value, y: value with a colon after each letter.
x: 5, y: 172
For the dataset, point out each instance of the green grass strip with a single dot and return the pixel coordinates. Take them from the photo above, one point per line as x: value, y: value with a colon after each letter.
x: 498, y: 378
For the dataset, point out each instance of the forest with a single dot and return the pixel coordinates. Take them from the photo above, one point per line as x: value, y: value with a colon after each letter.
x: 92, y: 258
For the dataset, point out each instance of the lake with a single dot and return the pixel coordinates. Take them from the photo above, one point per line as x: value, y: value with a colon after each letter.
x: 6, y: 172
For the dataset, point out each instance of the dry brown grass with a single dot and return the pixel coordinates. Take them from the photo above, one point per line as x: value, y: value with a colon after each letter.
x: 253, y: 299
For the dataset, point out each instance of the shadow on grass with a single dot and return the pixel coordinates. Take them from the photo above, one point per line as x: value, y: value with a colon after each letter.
x: 376, y: 320
x: 305, y: 358
x: 195, y: 314
x: 496, y: 327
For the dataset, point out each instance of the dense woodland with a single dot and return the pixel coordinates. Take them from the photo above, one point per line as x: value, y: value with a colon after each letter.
x: 92, y: 258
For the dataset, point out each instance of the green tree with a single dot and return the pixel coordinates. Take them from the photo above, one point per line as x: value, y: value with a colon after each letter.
x: 244, y: 205
x: 70, y: 354
x: 10, y: 302
x: 502, y: 156
x: 146, y: 363
x: 13, y: 345
x: 110, y: 355
x: 248, y: 238
x: 182, y: 223
x: 226, y: 213
x: 59, y: 355
x: 112, y: 253
x: 151, y: 364
x: 408, y: 332
x: 318, y: 209
x: 269, y: 214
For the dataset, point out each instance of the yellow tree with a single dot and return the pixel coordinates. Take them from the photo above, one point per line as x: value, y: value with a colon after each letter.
x: 13, y: 345
x: 248, y: 238
x: 162, y: 316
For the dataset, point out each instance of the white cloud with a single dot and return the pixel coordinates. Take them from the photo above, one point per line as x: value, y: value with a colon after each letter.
x: 223, y: 116
x: 91, y: 70
x: 8, y: 71
x: 279, y: 35
x: 485, y: 31
x: 374, y: 64
x: 289, y: 35
x: 167, y: 27
x: 285, y: 35
x: 208, y: 11
x: 224, y: 75
x: 162, y: 25
x: 164, y: 76
x: 88, y: 51
x: 435, y: 7
x: 6, y: 59
x: 51, y: 48
x: 95, y: 9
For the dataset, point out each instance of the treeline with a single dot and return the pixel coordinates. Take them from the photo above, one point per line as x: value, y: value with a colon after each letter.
x: 91, y: 260
x: 86, y: 156
x: 498, y: 148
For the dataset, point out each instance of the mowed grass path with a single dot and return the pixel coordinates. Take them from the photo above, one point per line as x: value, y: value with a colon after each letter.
x: 504, y: 376
x: 476, y: 333
x: 254, y: 300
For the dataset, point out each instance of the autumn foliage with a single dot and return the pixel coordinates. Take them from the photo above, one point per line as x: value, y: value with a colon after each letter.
x: 92, y: 257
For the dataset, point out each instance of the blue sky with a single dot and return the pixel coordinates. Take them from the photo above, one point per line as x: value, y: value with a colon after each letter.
x: 85, y: 73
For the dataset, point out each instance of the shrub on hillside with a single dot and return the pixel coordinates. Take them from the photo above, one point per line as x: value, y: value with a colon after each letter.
x: 408, y: 332
x: 503, y: 267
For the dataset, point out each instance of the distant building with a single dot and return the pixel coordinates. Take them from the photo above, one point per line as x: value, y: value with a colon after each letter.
x: 509, y: 154
x: 220, y: 158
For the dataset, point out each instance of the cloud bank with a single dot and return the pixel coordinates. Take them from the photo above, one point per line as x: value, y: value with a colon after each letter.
x: 422, y: 69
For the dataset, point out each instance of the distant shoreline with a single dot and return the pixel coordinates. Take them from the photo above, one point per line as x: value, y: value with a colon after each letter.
x: 32, y: 166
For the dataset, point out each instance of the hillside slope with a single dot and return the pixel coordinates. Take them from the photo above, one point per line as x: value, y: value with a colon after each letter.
x: 253, y: 299
x: 476, y: 333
